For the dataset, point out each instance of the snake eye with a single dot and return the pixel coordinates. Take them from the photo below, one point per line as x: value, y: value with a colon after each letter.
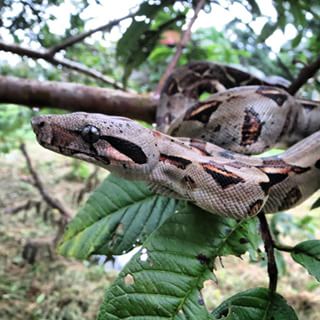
x: 90, y: 134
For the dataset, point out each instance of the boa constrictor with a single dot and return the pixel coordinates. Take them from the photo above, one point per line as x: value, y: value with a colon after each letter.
x: 218, y: 180
x: 215, y: 179
x: 248, y: 119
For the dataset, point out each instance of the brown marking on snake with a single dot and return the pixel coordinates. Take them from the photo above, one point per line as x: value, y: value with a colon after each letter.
x: 126, y: 147
x: 197, y: 87
x: 222, y: 176
x: 202, y: 111
x: 199, y: 145
x: 178, y: 162
x: 292, y: 197
x: 273, y: 94
x: 227, y: 154
x: 172, y: 86
x: 274, y: 178
x: 278, y: 170
x: 269, y: 165
x: 285, y: 125
x: 309, y: 105
x: 156, y: 134
x: 189, y: 182
x: 255, y: 207
x: 61, y: 136
x: 251, y: 128
x: 239, y: 164
x: 295, y: 124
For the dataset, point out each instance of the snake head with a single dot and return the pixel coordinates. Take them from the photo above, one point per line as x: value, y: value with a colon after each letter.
x: 115, y: 143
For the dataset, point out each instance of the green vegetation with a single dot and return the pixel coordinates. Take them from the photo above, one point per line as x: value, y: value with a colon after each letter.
x: 176, y: 274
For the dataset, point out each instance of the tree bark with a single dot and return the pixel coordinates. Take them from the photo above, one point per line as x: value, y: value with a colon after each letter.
x: 76, y: 97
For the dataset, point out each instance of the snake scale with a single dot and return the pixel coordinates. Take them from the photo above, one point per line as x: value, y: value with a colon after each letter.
x: 244, y: 115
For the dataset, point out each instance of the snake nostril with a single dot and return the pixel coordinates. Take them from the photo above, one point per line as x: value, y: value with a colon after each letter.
x: 37, y: 123
x: 41, y: 124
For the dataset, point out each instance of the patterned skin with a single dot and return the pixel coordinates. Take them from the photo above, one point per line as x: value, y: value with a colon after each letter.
x: 216, y: 179
x: 248, y: 119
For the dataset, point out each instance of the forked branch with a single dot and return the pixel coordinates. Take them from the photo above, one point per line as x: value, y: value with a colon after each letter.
x: 184, y: 40
x: 51, y: 201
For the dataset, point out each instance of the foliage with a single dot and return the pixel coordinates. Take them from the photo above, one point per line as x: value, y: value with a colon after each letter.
x: 316, y: 204
x: 180, y: 243
x: 255, y: 304
x: 307, y: 253
x: 105, y: 225
x: 13, y: 126
x: 118, y: 216
x: 142, y: 35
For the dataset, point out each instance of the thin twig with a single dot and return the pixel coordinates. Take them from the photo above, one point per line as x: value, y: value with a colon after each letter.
x: 51, y: 201
x: 45, y: 55
x: 26, y: 206
x: 90, y: 183
x: 78, y: 38
x: 269, y: 248
x: 184, y: 40
x: 307, y: 72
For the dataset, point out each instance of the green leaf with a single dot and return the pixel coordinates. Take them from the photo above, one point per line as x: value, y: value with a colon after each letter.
x: 281, y: 11
x: 164, y: 279
x: 316, y: 204
x: 255, y: 304
x: 254, y: 7
x: 296, y: 40
x: 117, y: 215
x: 307, y: 254
x: 267, y: 31
x: 140, y: 39
x: 298, y: 13
x: 243, y: 236
x: 281, y: 263
x: 282, y: 224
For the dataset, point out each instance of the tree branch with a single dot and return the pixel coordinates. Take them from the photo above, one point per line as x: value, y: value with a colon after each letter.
x: 184, y: 40
x: 78, y: 38
x: 75, y: 97
x: 47, y: 56
x: 269, y: 247
x: 307, y: 72
x: 51, y: 201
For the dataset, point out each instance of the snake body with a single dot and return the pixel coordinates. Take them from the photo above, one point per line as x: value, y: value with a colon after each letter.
x: 186, y: 84
x: 216, y: 177
x: 218, y: 180
x: 248, y: 119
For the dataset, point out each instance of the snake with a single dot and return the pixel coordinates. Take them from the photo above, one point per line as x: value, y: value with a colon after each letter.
x: 246, y: 114
x: 223, y: 177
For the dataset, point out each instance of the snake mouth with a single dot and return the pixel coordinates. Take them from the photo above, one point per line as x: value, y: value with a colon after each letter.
x: 88, y: 157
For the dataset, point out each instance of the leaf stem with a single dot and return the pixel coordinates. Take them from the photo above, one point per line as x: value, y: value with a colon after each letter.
x: 269, y: 248
x: 282, y: 247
